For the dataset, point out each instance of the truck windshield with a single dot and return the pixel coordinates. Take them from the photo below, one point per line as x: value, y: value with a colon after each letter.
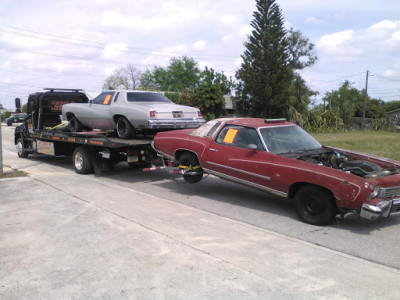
x: 147, y: 97
x: 284, y: 139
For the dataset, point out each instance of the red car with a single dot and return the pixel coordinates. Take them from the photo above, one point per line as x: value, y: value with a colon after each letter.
x: 279, y: 157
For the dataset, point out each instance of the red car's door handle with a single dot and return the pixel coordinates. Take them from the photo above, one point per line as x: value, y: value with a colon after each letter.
x: 213, y: 150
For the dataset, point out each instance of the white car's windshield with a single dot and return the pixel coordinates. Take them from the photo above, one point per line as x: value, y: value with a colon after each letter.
x: 284, y: 139
x: 147, y: 97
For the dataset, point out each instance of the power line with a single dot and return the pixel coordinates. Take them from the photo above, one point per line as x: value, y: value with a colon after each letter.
x: 17, y: 84
x: 387, y: 78
x: 335, y: 80
x: 135, y: 50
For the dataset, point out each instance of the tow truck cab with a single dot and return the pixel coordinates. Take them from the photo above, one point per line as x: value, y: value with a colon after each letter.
x: 44, y: 108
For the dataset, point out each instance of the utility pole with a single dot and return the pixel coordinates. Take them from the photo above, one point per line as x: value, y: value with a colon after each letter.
x: 1, y: 150
x: 365, y: 98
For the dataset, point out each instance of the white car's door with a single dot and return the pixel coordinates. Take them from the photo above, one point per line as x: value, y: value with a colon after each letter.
x: 99, y: 109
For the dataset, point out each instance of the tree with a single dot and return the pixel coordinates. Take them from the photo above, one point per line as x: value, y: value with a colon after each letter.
x: 300, y: 49
x: 391, y: 105
x: 181, y: 74
x: 299, y: 100
x: 348, y: 102
x: 265, y: 74
x: 207, y: 95
x: 344, y: 101
x: 124, y: 78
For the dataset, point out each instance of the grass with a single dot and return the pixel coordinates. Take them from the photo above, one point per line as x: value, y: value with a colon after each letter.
x: 381, y: 143
x: 12, y: 173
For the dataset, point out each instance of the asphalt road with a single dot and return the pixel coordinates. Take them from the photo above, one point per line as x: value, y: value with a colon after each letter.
x: 374, y: 241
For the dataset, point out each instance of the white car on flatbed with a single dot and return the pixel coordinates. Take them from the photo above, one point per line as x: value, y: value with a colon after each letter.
x: 129, y: 112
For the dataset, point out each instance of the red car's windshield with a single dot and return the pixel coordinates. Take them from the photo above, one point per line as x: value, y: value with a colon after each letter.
x: 283, y: 139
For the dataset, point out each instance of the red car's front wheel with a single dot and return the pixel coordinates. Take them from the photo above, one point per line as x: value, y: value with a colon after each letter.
x: 315, y: 205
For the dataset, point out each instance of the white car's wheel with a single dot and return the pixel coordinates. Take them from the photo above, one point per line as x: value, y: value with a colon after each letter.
x: 125, y: 130
x: 75, y: 125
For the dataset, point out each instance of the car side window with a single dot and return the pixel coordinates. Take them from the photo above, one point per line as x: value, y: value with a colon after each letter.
x: 213, y: 129
x: 238, y: 136
x: 104, y: 98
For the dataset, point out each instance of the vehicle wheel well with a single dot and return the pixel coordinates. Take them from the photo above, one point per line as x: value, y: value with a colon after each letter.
x: 69, y: 116
x: 116, y: 117
x: 298, y: 185
x: 180, y: 152
x: 16, y: 137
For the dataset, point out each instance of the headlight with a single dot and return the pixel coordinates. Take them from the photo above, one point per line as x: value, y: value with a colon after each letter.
x: 375, y: 191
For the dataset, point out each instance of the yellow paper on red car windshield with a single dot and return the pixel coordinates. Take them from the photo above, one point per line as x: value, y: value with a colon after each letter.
x: 230, y: 136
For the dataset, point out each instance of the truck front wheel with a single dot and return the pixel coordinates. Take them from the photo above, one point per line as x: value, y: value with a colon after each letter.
x: 20, y: 148
x: 82, y: 160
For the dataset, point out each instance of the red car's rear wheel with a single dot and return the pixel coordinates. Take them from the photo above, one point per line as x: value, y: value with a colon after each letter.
x: 189, y: 163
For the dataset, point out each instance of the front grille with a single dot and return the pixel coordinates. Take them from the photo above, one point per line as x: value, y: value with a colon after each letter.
x: 391, y: 192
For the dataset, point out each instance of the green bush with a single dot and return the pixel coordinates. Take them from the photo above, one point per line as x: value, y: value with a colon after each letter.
x: 327, y: 121
x: 5, y: 115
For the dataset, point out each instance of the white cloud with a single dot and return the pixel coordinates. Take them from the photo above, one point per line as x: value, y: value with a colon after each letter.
x: 199, y: 44
x: 112, y: 51
x: 314, y: 21
x: 335, y: 43
x: 245, y: 31
x: 229, y: 19
x: 385, y: 24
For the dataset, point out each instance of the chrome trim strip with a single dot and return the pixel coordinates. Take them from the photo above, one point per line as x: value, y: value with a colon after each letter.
x: 247, y: 183
x: 238, y: 170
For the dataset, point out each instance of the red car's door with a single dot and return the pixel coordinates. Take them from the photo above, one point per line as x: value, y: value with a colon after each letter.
x: 237, y: 154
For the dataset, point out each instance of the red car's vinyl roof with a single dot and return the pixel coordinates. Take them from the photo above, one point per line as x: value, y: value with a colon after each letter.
x: 256, y: 122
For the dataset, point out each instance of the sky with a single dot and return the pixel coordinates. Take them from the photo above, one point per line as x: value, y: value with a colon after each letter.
x: 77, y: 44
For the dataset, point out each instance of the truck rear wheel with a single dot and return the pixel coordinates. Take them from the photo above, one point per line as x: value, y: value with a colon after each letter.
x: 21, y: 149
x: 82, y: 160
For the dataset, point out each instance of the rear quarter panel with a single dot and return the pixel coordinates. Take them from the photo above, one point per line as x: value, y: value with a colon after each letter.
x: 172, y: 143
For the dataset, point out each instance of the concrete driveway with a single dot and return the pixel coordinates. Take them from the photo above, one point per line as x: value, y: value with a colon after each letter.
x: 64, y: 235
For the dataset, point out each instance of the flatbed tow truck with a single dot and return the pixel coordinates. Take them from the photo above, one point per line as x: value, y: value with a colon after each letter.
x: 43, y: 132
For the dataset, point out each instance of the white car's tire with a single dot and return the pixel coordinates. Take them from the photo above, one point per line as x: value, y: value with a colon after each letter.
x: 125, y: 130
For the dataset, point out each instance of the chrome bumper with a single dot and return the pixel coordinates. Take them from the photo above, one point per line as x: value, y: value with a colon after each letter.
x: 381, y: 209
x: 171, y: 123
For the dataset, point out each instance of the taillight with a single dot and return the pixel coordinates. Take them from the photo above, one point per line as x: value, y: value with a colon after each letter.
x: 152, y: 114
x: 199, y: 113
